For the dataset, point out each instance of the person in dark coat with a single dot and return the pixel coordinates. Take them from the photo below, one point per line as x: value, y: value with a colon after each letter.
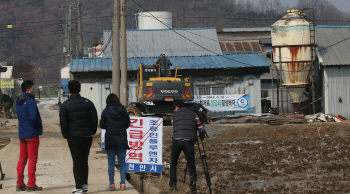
x: 78, y: 120
x: 186, y: 123
x: 29, y: 129
x: 115, y: 119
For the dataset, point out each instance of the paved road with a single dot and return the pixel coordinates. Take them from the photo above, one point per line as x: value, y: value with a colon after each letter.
x: 54, y: 167
x: 47, y: 113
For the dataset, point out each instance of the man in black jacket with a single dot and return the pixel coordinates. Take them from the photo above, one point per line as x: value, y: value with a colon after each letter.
x: 185, y: 123
x: 78, y: 119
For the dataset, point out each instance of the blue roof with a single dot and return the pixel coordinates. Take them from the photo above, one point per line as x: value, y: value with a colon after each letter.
x: 198, y: 62
x: 172, y: 29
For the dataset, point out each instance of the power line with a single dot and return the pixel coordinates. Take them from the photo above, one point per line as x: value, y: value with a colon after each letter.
x: 53, y: 20
x: 93, y: 32
x: 31, y: 57
x: 334, y: 44
x: 34, y: 28
x: 97, y: 9
x: 11, y: 16
x: 186, y: 37
x: 250, y: 18
x: 184, y: 29
x: 94, y: 22
x: 20, y: 5
x: 203, y: 46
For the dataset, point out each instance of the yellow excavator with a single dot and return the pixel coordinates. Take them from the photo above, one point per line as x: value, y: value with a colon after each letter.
x: 157, y: 89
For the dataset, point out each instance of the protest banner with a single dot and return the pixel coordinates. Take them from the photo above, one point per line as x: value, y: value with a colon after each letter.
x: 145, y: 139
x: 238, y: 102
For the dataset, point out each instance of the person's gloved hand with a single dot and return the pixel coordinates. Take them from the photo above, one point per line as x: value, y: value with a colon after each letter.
x: 202, y: 136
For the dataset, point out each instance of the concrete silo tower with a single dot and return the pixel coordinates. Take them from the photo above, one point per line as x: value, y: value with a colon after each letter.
x: 293, y: 42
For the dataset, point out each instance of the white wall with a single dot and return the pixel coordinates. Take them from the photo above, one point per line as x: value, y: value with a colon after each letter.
x: 336, y: 84
x: 99, y: 93
x: 93, y: 91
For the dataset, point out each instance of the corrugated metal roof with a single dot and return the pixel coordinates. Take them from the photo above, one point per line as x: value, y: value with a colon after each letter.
x: 203, y: 62
x: 152, y: 43
x: 333, y: 44
x: 262, y: 29
x: 265, y: 41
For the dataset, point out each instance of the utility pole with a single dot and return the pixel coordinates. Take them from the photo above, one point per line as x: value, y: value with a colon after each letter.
x: 66, y: 48
x: 116, y: 49
x: 124, y: 73
x: 80, y: 34
x: 70, y: 33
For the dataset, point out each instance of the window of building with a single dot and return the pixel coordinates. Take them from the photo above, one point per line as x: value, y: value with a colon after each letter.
x: 211, y: 90
x: 264, y: 93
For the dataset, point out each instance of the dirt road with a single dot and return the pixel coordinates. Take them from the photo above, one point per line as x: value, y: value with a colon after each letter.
x: 48, y: 115
x: 54, y: 167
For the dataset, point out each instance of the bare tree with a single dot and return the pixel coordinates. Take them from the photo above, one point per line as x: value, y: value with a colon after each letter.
x: 27, y: 71
x: 277, y: 6
x: 262, y: 6
x: 325, y: 11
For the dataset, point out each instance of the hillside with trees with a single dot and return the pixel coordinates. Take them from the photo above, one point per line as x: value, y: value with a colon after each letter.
x: 37, y: 36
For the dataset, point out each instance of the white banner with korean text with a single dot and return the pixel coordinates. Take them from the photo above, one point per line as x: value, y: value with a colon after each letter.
x: 145, y: 139
x: 223, y: 102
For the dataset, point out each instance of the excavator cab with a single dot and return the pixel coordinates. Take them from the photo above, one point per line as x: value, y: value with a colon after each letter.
x: 157, y: 89
x: 155, y: 83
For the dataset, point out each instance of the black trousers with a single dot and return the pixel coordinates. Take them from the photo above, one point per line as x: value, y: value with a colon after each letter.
x: 188, y: 149
x: 80, y: 149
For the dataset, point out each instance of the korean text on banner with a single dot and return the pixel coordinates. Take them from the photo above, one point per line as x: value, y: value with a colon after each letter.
x: 7, y: 83
x: 224, y: 102
x: 145, y: 139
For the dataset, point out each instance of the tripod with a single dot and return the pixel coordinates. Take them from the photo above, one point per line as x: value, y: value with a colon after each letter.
x: 203, y: 157
x: 2, y: 173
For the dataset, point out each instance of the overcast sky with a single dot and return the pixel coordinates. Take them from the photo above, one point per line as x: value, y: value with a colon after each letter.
x: 343, y: 5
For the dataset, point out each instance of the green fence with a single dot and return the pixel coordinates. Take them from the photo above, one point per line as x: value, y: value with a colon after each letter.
x: 47, y: 91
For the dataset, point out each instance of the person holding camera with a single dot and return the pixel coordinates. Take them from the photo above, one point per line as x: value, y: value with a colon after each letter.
x: 185, y: 123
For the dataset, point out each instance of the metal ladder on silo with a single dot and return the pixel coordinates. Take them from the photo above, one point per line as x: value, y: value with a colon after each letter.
x: 313, y: 55
x: 312, y: 28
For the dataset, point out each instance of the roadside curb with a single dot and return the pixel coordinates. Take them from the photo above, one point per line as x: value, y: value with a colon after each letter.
x: 143, y: 185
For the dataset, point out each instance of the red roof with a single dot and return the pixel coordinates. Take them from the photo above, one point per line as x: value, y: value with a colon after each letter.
x: 237, y: 46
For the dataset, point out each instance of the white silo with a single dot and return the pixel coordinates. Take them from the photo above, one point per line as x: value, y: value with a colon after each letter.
x: 293, y: 42
x: 155, y: 20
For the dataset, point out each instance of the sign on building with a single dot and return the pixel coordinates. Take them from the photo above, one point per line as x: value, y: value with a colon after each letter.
x: 145, y: 139
x: 7, y: 83
x: 223, y: 102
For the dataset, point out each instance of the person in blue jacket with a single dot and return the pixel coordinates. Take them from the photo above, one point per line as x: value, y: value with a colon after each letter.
x: 115, y: 119
x: 29, y: 129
